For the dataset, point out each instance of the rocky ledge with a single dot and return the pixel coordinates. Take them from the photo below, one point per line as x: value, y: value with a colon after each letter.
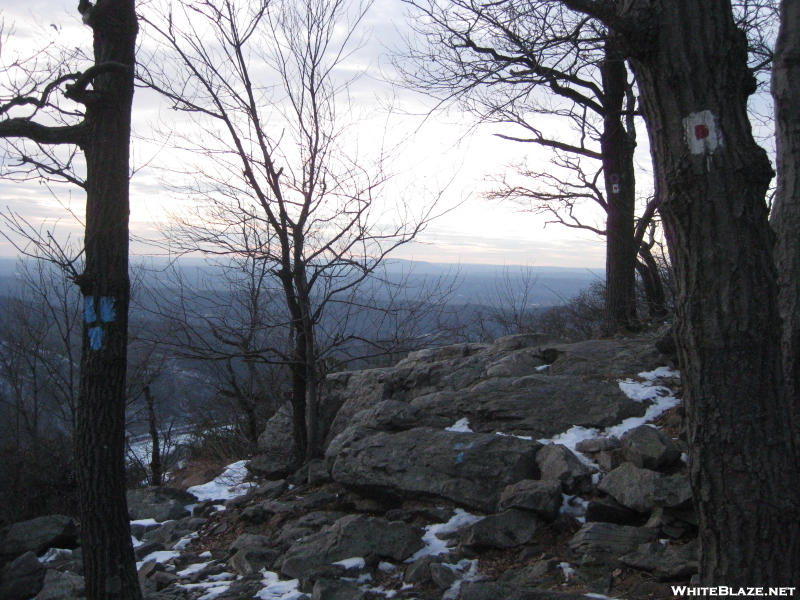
x: 518, y: 470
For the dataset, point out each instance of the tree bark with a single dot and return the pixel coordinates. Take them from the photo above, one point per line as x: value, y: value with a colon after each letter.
x: 617, y: 149
x: 691, y: 66
x: 109, y: 563
x: 785, y: 216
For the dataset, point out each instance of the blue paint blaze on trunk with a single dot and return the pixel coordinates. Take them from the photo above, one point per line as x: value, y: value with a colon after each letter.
x: 107, y: 309
x: 96, y: 338
x: 89, y: 315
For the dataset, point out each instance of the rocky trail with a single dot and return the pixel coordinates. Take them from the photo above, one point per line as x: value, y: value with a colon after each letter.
x: 519, y: 470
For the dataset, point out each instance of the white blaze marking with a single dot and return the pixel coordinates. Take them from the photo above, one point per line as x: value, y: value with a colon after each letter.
x: 702, y: 134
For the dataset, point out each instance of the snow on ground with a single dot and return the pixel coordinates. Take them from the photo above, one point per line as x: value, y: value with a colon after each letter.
x: 639, y: 391
x: 228, y: 485
x: 435, y: 546
x: 462, y: 426
x: 275, y: 589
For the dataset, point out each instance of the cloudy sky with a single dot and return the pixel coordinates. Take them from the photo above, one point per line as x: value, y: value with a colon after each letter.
x: 437, y: 150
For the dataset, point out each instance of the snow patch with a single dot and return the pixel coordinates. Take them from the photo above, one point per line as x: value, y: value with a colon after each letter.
x: 462, y: 426
x: 275, y: 589
x: 435, y: 546
x: 352, y: 563
x: 228, y: 485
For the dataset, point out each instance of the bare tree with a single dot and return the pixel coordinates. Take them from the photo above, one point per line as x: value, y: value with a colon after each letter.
x: 90, y: 111
x: 521, y: 64
x: 278, y: 161
x: 691, y: 65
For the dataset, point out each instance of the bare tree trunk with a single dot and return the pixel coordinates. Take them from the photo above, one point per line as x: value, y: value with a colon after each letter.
x: 155, y: 454
x: 691, y: 67
x: 785, y: 216
x: 110, y: 572
x: 620, y: 183
x: 651, y: 281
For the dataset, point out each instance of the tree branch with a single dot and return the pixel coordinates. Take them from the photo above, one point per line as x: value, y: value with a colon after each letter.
x: 42, y: 134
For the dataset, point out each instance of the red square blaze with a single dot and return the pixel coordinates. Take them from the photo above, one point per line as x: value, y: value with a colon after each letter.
x: 701, y: 131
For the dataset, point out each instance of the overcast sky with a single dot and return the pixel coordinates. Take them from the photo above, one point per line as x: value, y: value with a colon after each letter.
x: 440, y: 149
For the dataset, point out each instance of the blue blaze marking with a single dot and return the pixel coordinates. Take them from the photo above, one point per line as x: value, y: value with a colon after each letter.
x: 460, y: 458
x: 107, y: 309
x: 88, y: 310
x: 96, y: 338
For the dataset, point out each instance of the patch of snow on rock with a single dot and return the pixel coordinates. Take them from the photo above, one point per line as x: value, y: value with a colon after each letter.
x: 462, y: 426
x: 228, y: 485
x: 435, y: 546
x: 275, y: 589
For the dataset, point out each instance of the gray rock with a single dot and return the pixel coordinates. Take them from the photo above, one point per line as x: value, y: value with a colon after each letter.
x: 248, y: 541
x: 507, y: 529
x: 468, y: 468
x: 650, y: 448
x: 271, y: 489
x: 252, y: 560
x: 159, y: 503
x: 443, y: 575
x: 174, y: 530
x: 673, y: 522
x: 23, y: 578
x: 606, y: 542
x: 308, y: 524
x: 37, y: 535
x: 558, y: 463
x: 148, y: 548
x: 608, y: 510
x: 542, y: 497
x: 61, y: 586
x: 278, y: 453
x: 643, y: 489
x: 516, y: 364
x: 631, y: 486
x: 545, y: 572
x: 599, y: 444
x: 668, y: 562
x: 352, y: 536
x: 540, y: 406
x: 615, y: 358
x: 420, y: 570
x: 326, y: 589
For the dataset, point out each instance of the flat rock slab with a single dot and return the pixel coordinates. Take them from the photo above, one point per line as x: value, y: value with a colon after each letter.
x: 159, y: 503
x: 606, y: 542
x: 507, y: 529
x: 643, y: 490
x: 666, y: 562
x: 470, y: 469
x: 37, y: 535
x: 540, y: 406
x: 352, y: 536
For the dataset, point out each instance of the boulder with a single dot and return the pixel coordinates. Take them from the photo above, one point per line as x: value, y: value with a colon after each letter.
x: 608, y: 510
x: 37, y: 535
x: 606, y: 542
x: 559, y: 463
x: 470, y: 469
x: 541, y: 497
x: 598, y: 444
x: 546, y: 572
x: 159, y: 503
x: 61, y: 586
x: 539, y: 406
x: 278, y: 455
x: 643, y: 490
x: 308, y: 524
x: 248, y: 541
x: 251, y: 560
x: 331, y: 589
x: 507, y: 529
x: 650, y: 448
x: 616, y: 358
x: 352, y: 536
x: 23, y: 578
x: 668, y: 562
